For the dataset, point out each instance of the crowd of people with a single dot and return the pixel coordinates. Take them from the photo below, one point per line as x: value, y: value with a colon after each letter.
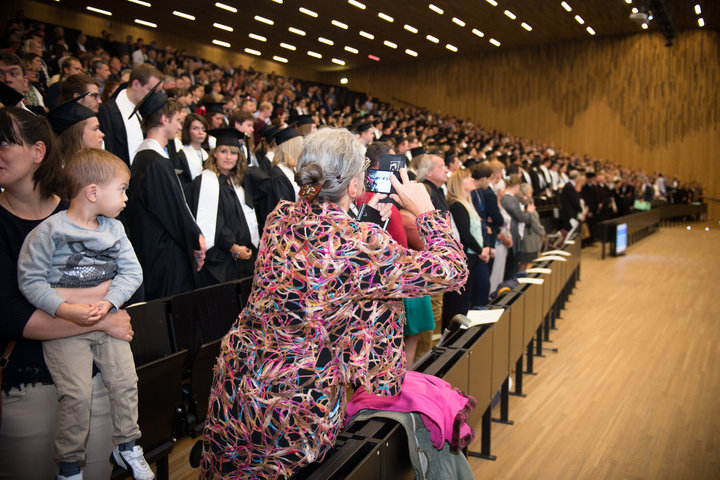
x: 232, y: 173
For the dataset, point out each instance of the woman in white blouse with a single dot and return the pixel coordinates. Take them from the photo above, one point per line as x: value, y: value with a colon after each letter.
x: 190, y: 158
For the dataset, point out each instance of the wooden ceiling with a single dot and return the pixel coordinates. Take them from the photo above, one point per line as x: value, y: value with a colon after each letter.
x: 549, y: 21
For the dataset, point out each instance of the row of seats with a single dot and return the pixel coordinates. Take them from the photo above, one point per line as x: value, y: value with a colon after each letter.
x: 177, y: 340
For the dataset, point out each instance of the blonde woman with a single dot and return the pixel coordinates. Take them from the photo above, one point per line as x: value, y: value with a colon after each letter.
x: 287, y: 152
x: 223, y: 204
x: 470, y: 233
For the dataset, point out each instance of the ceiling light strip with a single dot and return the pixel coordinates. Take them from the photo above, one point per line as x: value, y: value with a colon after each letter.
x: 252, y: 51
x: 308, y: 12
x: 410, y: 28
x: 229, y: 8
x: 100, y: 11
x: 436, y: 9
x: 385, y: 17
x: 367, y: 35
x: 457, y: 21
x: 223, y: 27
x: 146, y: 23
x: 140, y: 2
x: 280, y: 59
x: 314, y: 54
x: 338, y: 61
x: 339, y: 24
x: 264, y: 20
x: 259, y: 38
x: 183, y: 15
x: 296, y: 31
x: 287, y: 46
x: 326, y: 41
x: 357, y: 4
x: 351, y: 49
x: 221, y: 43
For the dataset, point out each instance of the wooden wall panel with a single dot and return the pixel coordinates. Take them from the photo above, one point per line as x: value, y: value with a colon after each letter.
x: 93, y: 25
x: 630, y: 99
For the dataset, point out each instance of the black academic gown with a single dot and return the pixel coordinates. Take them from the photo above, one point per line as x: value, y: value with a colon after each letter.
x: 112, y: 125
x: 162, y: 229
x: 231, y: 229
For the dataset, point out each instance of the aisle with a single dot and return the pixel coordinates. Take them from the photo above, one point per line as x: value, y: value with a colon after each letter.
x: 634, y: 391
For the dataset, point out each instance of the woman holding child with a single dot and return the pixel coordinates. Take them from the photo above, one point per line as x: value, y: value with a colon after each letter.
x: 30, y: 169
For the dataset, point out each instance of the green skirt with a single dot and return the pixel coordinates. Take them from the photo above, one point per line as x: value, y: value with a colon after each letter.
x: 419, y: 315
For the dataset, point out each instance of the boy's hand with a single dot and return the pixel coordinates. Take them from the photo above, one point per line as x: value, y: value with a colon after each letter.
x: 101, y: 309
x: 79, y: 313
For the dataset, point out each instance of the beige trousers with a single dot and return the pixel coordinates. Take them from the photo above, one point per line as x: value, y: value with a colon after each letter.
x: 70, y: 362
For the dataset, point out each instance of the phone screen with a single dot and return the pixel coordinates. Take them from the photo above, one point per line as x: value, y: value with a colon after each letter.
x: 378, y: 181
x: 392, y: 162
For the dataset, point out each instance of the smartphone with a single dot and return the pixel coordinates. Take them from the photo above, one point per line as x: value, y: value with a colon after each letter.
x: 392, y: 162
x: 378, y: 181
x: 369, y: 214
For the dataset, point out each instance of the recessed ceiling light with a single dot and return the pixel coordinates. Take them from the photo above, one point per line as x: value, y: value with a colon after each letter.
x: 287, y: 46
x: 628, y: 1
x: 221, y: 43
x: 701, y: 22
x: 510, y: 14
x: 280, y: 59
x: 338, y: 61
x: 140, y: 2
x: 351, y: 50
x: 492, y: 2
x: 280, y: 2
x: 308, y: 12
x: 339, y: 24
x: 314, y: 54
x: 457, y: 21
x: 183, y: 15
x: 435, y: 9
x: 412, y: 53
x: 385, y: 17
x: 223, y: 27
x: 99, y: 10
x: 590, y: 30
x: 367, y: 35
x: 494, y: 42
x: 356, y: 4
x: 264, y: 20
x: 390, y: 44
x: 410, y: 28
x: 252, y: 51
x: 478, y: 32
x: 374, y: 57
x: 226, y: 7
x: 344, y: 80
x: 432, y: 39
x: 645, y: 26
x: 296, y: 31
x: 146, y: 23
x: 579, y: 19
x: 526, y: 26
x: 698, y: 10
x: 566, y: 6
x: 452, y: 48
x: 326, y: 41
x: 634, y: 10
x: 257, y: 37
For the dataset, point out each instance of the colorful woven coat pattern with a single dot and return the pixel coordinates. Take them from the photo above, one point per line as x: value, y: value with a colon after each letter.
x: 325, y: 311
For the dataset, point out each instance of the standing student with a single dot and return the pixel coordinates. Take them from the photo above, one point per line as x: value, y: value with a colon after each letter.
x: 223, y: 205
x: 190, y: 159
x: 168, y: 242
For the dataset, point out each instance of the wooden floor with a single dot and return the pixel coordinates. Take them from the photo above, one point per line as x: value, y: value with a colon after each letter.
x: 634, y: 392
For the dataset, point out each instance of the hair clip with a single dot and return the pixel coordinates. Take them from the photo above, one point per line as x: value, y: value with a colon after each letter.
x: 310, y: 192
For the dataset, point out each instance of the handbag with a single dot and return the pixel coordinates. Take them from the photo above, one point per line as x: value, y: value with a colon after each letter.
x: 3, y: 363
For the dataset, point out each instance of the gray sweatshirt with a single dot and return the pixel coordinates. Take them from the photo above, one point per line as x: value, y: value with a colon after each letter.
x: 60, y: 254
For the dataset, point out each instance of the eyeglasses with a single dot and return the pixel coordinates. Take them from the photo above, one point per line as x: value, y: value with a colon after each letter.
x: 90, y: 94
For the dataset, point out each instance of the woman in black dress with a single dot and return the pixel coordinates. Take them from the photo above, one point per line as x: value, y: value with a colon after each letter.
x: 223, y: 208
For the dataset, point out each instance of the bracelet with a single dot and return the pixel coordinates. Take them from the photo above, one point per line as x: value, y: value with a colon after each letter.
x: 236, y: 256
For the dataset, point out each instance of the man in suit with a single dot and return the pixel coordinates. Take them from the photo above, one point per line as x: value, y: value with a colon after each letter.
x: 122, y: 131
x: 570, y: 201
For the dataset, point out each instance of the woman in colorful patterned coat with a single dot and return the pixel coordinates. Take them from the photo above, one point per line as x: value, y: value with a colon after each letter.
x: 325, y: 311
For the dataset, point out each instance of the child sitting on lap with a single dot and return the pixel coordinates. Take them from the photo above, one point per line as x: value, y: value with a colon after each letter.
x: 72, y: 250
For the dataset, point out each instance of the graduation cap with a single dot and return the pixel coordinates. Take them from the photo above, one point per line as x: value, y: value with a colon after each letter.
x: 417, y: 151
x: 286, y: 134
x: 268, y: 132
x: 9, y: 96
x: 68, y: 114
x: 226, y: 136
x: 151, y: 103
x: 302, y: 120
x: 212, y: 108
